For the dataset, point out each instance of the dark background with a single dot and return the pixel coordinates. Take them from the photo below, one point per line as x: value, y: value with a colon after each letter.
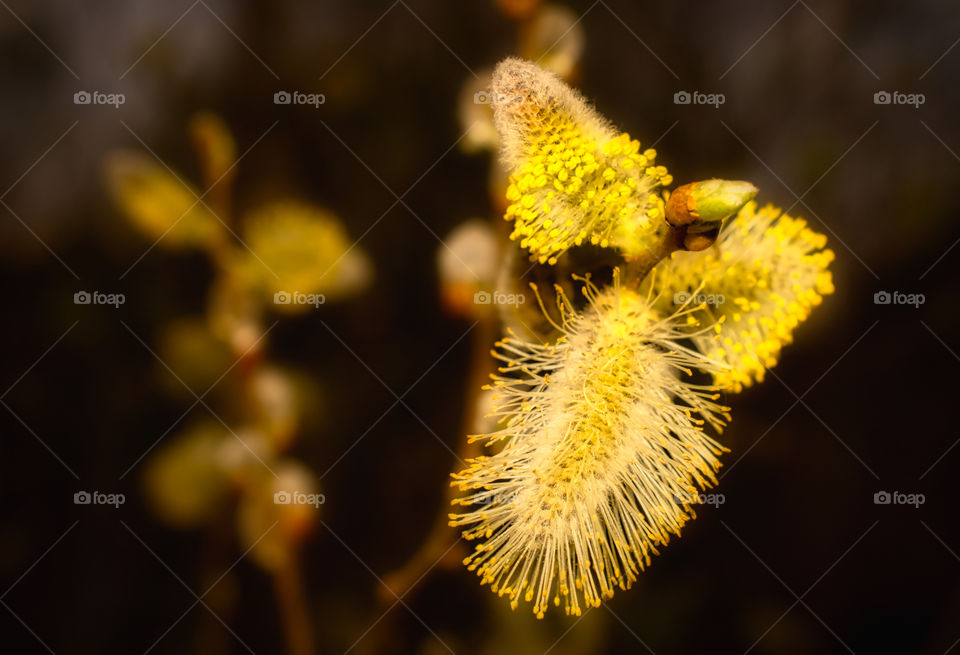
x: 875, y: 383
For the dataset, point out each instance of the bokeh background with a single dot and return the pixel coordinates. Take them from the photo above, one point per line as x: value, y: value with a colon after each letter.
x: 798, y: 559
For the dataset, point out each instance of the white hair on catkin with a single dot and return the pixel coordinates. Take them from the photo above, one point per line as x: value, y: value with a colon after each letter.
x: 523, y: 92
x: 604, y: 452
x: 573, y: 178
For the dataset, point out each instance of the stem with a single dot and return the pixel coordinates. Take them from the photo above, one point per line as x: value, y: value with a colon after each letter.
x: 214, y: 557
x: 293, y: 607
x: 637, y: 268
x: 219, y: 250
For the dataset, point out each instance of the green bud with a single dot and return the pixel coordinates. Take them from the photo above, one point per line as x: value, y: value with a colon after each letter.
x: 702, y: 206
x: 717, y: 200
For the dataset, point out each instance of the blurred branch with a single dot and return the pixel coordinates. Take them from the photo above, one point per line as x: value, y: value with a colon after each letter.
x: 293, y: 608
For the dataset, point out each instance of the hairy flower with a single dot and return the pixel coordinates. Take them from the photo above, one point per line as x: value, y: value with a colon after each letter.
x: 574, y: 179
x: 604, y: 449
x: 761, y: 279
x: 158, y: 203
x: 294, y: 246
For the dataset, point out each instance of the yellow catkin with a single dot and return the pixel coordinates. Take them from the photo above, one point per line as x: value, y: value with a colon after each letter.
x: 573, y: 178
x: 604, y: 451
x: 760, y: 280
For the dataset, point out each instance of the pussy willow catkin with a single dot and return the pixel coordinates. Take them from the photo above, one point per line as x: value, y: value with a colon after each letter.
x: 604, y: 454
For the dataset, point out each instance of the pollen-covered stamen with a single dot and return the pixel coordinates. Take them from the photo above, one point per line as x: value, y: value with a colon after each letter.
x: 760, y: 280
x: 605, y: 448
x: 574, y: 179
